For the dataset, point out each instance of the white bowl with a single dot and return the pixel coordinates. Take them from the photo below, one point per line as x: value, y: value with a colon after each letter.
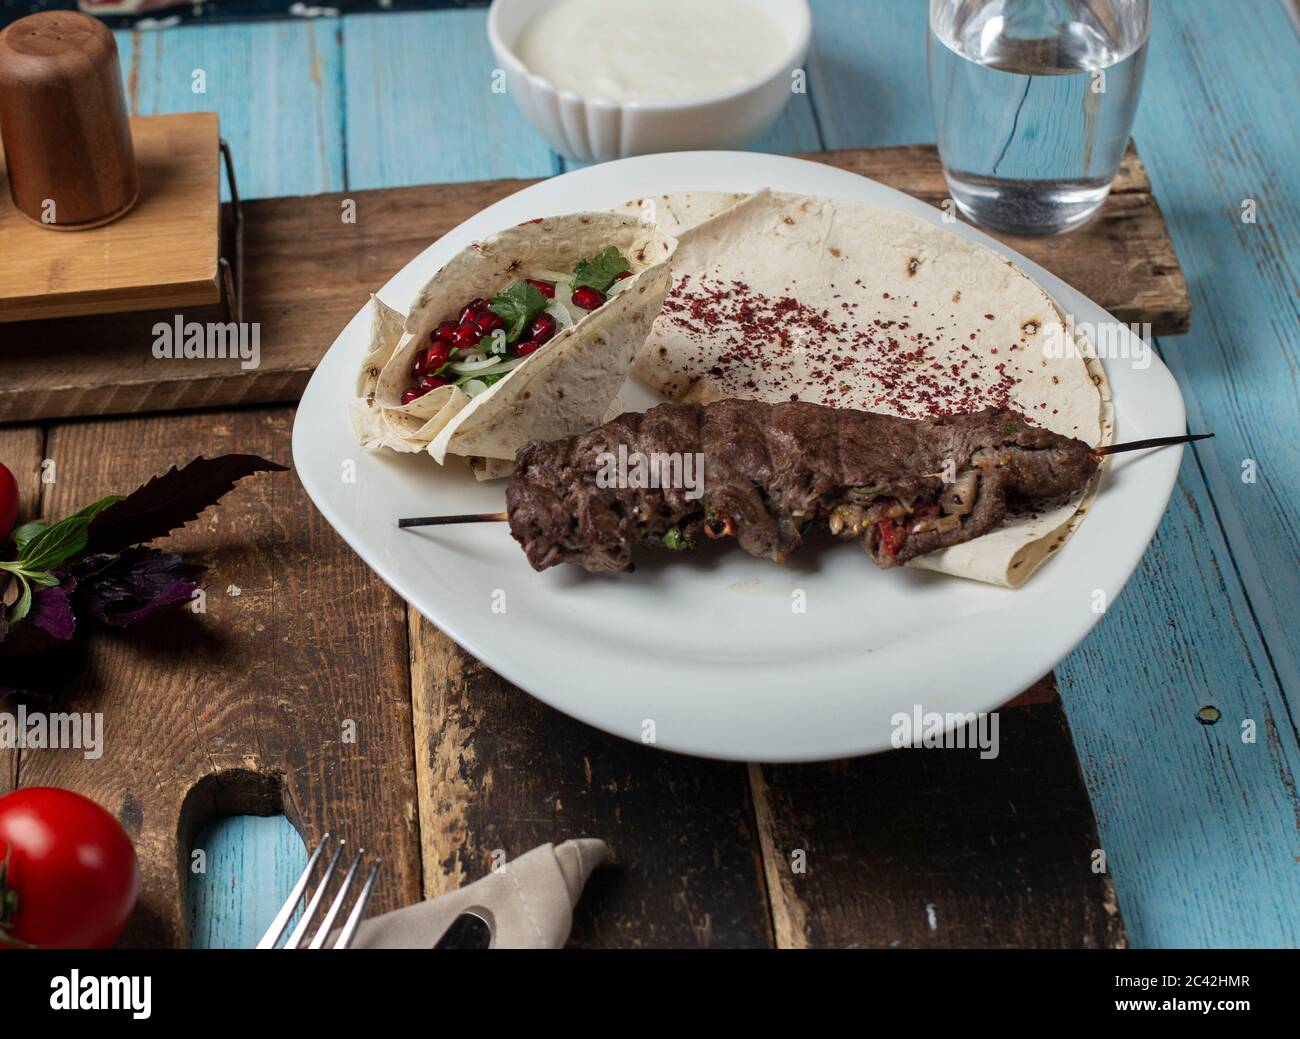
x: 592, y: 130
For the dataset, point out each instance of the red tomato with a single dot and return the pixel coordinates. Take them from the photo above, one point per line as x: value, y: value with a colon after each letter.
x: 891, y: 537
x: 8, y: 501
x: 71, y: 866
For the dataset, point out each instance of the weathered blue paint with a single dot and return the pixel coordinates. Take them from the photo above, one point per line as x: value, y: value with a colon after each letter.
x: 275, y: 85
x: 421, y: 107
x: 249, y: 865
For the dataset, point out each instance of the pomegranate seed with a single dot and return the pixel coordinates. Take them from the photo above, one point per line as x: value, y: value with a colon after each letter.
x: 588, y: 298
x: 436, y: 356
x: 464, y: 338
x: 526, y: 348
x: 542, y: 329
x: 620, y: 277
x: 412, y: 394
x: 487, y: 322
x: 431, y: 382
x: 546, y: 288
x: 472, y: 310
x: 432, y: 358
x: 443, y: 333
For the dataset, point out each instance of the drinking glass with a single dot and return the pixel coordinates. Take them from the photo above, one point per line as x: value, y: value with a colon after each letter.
x: 1033, y: 102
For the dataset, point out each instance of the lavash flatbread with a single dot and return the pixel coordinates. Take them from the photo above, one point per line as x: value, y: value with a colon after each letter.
x: 563, y: 388
x: 485, y: 469
x: 780, y: 297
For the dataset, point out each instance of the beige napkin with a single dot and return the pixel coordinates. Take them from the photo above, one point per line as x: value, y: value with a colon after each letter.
x: 529, y: 901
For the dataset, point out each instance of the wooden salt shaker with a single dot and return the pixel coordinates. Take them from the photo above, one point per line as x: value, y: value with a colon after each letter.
x: 63, y: 121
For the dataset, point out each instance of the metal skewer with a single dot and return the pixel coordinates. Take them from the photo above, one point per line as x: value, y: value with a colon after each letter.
x: 1138, y: 445
x: 501, y: 517
x: 438, y: 521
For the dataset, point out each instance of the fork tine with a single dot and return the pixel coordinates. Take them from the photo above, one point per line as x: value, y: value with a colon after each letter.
x: 291, y: 903
x: 310, y: 911
x: 327, y: 924
x: 354, y: 918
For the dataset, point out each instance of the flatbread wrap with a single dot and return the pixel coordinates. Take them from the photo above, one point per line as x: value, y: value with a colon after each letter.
x: 528, y: 333
x: 780, y: 297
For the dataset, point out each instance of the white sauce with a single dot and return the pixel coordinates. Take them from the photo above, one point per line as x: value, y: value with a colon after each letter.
x: 651, y: 50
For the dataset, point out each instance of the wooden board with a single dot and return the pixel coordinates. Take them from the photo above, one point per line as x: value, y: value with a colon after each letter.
x: 940, y: 849
x: 307, y: 272
x: 1002, y: 848
x: 20, y: 450
x: 163, y: 253
x: 500, y: 773
x: 245, y: 708
x: 288, y: 694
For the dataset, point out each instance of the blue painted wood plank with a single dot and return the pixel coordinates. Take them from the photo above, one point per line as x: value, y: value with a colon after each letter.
x: 867, y: 72
x: 250, y: 868
x: 275, y: 85
x: 1211, y: 138
x: 1198, y: 826
x: 420, y: 107
x: 1236, y: 140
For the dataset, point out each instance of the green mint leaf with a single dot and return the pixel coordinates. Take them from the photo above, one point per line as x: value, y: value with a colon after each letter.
x: 95, y: 508
x: 26, y: 532
x: 43, y: 547
x: 57, y: 544
x: 517, y: 307
x: 601, y: 271
x: 22, y: 606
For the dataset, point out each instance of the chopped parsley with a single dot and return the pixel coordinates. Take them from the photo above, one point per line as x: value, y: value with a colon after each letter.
x: 601, y: 271
x: 678, y: 541
x: 518, y: 306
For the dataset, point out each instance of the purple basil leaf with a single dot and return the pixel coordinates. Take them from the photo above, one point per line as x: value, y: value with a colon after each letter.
x: 170, y: 501
x: 120, y: 589
x: 52, y: 612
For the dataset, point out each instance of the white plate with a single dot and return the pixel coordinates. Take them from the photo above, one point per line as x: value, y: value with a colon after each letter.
x: 706, y: 652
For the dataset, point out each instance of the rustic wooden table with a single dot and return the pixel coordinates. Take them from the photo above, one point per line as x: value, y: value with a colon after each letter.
x: 451, y: 764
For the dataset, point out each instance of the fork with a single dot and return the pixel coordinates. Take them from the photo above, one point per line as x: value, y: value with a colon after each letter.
x: 349, y: 929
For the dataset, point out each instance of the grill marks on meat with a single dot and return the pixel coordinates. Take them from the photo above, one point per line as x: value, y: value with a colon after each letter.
x: 772, y: 469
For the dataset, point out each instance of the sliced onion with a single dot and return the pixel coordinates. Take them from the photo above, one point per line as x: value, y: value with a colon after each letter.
x: 499, y: 367
x: 564, y: 297
x: 556, y: 276
x: 943, y: 524
x: 959, y: 499
x: 563, y: 319
x: 465, y: 367
x: 474, y: 387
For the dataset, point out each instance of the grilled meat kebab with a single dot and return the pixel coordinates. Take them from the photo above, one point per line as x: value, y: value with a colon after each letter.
x: 903, y: 487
